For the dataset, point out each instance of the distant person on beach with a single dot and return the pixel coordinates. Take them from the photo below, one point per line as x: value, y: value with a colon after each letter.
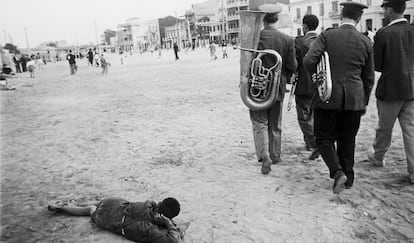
x: 224, y: 49
x: 97, y: 59
x: 176, y: 51
x: 31, y: 66
x: 90, y: 57
x: 72, y: 62
x: 212, y: 48
x: 105, y: 62
x: 17, y: 61
x: 144, y: 222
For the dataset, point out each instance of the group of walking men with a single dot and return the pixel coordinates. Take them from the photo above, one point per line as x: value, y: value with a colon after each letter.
x: 330, y: 128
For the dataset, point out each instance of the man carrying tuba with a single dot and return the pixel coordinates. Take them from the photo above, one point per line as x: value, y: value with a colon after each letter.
x: 267, y: 123
x: 352, y: 71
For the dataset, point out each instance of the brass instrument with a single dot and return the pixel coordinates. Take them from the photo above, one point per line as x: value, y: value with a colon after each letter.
x: 260, y: 88
x: 322, y: 78
x: 259, y: 85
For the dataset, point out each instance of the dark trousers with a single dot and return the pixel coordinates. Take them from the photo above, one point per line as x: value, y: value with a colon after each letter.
x: 304, y: 111
x: 341, y: 127
x: 176, y: 54
x: 18, y: 70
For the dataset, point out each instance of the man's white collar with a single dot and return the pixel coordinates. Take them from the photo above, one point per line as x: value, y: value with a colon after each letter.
x: 397, y: 21
x: 348, y: 23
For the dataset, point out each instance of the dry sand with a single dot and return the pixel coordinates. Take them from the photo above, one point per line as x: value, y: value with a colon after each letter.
x: 155, y: 128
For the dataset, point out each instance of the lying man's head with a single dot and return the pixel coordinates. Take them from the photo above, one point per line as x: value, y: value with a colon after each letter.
x: 169, y: 207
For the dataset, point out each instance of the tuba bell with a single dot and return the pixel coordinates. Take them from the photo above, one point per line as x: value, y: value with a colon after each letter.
x: 259, y: 85
x: 322, y: 78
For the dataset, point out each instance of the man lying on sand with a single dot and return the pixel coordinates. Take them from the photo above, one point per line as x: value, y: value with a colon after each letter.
x: 137, y: 221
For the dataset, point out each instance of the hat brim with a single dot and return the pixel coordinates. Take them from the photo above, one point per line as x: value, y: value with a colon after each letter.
x: 270, y: 8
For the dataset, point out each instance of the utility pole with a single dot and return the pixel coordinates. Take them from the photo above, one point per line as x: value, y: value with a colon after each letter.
x: 178, y: 32
x: 96, y: 33
x: 223, y: 30
x: 5, y: 36
x: 27, y: 40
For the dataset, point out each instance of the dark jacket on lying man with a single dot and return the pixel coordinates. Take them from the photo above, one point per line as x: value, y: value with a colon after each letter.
x: 136, y: 221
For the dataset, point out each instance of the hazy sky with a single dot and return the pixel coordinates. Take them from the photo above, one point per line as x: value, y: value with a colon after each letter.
x: 74, y: 20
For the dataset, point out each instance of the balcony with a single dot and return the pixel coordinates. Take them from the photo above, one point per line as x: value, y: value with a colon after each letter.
x: 233, y: 30
x: 334, y: 14
x: 233, y: 17
x: 235, y: 4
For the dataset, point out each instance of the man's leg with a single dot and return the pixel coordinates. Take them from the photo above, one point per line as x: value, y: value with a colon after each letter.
x: 325, y: 132
x: 387, y: 114
x: 275, y: 131
x: 86, y: 210
x: 348, y: 127
x: 261, y: 139
x: 325, y: 126
x: 305, y: 119
x: 406, y: 119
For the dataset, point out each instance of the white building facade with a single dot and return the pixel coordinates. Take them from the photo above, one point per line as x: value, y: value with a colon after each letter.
x: 328, y: 12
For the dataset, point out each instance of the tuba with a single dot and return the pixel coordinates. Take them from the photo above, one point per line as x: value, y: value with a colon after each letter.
x: 322, y: 78
x: 259, y: 85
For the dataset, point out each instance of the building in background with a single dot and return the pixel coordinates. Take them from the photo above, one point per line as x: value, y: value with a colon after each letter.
x: 329, y: 14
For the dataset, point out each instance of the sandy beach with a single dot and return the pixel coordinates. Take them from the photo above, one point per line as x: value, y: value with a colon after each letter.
x: 156, y: 127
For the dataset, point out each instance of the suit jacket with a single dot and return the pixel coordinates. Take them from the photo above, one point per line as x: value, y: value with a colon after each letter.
x: 394, y: 57
x: 352, y: 67
x: 271, y: 38
x: 302, y: 44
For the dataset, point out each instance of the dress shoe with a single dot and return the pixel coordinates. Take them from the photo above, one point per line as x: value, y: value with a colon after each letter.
x: 374, y: 161
x: 340, y: 179
x: 314, y: 155
x: 266, y: 167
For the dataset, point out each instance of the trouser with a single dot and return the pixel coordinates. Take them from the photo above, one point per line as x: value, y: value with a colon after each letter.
x: 304, y: 111
x: 18, y: 68
x: 341, y: 127
x: 388, y: 112
x: 267, y: 130
x: 176, y: 55
x: 72, y: 68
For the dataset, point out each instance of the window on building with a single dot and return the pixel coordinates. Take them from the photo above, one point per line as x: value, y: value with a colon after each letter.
x: 408, y: 17
x: 368, y: 24
x: 309, y: 10
x: 321, y: 9
x: 298, y: 13
x: 335, y: 6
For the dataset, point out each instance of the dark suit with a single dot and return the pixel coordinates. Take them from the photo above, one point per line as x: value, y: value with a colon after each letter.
x: 352, y: 70
x: 305, y: 90
x: 267, y: 124
x: 394, y: 57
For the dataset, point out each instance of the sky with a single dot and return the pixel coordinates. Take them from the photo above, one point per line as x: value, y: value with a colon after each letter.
x: 74, y: 20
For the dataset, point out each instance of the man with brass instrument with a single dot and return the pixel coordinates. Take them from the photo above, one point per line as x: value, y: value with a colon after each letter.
x: 304, y: 92
x: 267, y: 124
x: 352, y: 71
x: 394, y: 58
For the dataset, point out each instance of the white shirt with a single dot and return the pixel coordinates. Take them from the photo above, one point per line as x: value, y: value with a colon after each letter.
x: 397, y: 21
x: 348, y: 23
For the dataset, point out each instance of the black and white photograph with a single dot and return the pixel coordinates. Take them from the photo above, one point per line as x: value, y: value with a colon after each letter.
x: 207, y: 121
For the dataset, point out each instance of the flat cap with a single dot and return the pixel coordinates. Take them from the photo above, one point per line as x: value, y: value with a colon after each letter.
x: 353, y: 5
x: 392, y: 2
x: 270, y: 8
